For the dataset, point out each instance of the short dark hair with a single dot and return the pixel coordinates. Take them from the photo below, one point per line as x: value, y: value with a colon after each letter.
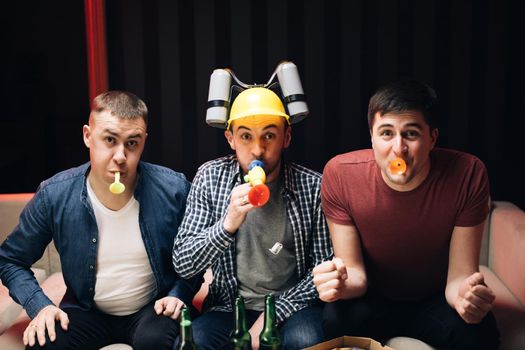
x: 405, y: 95
x: 122, y: 104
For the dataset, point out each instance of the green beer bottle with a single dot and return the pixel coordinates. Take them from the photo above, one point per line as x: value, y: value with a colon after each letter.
x: 240, y: 338
x: 186, y: 333
x: 269, y: 338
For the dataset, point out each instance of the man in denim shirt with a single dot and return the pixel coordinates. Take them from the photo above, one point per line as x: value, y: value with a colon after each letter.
x: 115, y: 248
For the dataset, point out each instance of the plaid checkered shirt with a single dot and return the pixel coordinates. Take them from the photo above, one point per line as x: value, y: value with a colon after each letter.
x: 202, y: 241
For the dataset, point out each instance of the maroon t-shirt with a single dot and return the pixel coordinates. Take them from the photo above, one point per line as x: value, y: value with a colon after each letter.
x: 405, y: 236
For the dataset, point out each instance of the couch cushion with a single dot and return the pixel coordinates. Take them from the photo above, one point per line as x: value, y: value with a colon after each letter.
x: 406, y: 343
x: 507, y: 258
x: 11, y: 206
x: 485, y: 242
x: 118, y: 346
x: 509, y: 312
x: 9, y: 310
x: 198, y: 300
x: 10, y: 313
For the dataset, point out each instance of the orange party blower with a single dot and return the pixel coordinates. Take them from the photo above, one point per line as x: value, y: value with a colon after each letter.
x: 397, y: 166
x: 259, y: 193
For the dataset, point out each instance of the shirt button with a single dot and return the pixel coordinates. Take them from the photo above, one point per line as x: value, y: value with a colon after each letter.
x: 90, y: 289
x: 91, y: 267
x: 94, y: 240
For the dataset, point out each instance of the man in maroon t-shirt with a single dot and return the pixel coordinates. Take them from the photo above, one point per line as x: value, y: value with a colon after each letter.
x: 406, y: 221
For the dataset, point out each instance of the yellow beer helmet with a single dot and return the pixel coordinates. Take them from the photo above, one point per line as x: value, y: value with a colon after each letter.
x: 257, y: 101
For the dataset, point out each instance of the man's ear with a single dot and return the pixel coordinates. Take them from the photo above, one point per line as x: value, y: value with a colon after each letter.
x: 287, y: 137
x: 86, y: 133
x: 229, y: 137
x: 434, y: 136
x: 371, y: 127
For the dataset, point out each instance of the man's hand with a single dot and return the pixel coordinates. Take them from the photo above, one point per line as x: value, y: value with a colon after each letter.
x: 474, y: 299
x: 169, y: 306
x: 45, y: 320
x: 256, y: 330
x: 329, y: 279
x: 239, y: 207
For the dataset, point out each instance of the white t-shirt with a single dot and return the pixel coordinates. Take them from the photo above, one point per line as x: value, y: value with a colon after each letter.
x: 124, y: 279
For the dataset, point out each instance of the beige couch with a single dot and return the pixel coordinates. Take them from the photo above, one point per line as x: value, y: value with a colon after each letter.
x: 502, y: 262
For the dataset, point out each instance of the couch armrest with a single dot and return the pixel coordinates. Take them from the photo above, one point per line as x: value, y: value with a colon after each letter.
x: 198, y: 299
x: 9, y: 310
x: 11, y: 205
x: 507, y: 247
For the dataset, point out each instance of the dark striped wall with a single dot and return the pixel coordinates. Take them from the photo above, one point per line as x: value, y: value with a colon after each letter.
x: 470, y: 51
x: 44, y: 90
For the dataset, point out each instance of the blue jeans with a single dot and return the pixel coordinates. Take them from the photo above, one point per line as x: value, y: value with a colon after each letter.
x: 211, y: 330
x: 431, y: 320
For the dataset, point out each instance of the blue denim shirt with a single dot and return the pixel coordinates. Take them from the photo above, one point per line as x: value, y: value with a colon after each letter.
x: 61, y: 211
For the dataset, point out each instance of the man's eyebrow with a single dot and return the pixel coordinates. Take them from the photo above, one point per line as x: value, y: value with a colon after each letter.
x: 270, y: 126
x: 385, y: 125
x: 266, y: 127
x: 113, y: 133
x: 135, y: 136
x: 108, y: 131
x: 415, y: 125
x: 409, y: 125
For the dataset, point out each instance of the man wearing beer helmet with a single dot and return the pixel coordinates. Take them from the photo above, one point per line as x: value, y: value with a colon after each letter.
x: 255, y: 243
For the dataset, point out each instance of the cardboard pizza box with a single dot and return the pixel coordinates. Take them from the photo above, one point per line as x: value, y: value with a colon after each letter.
x: 350, y: 343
